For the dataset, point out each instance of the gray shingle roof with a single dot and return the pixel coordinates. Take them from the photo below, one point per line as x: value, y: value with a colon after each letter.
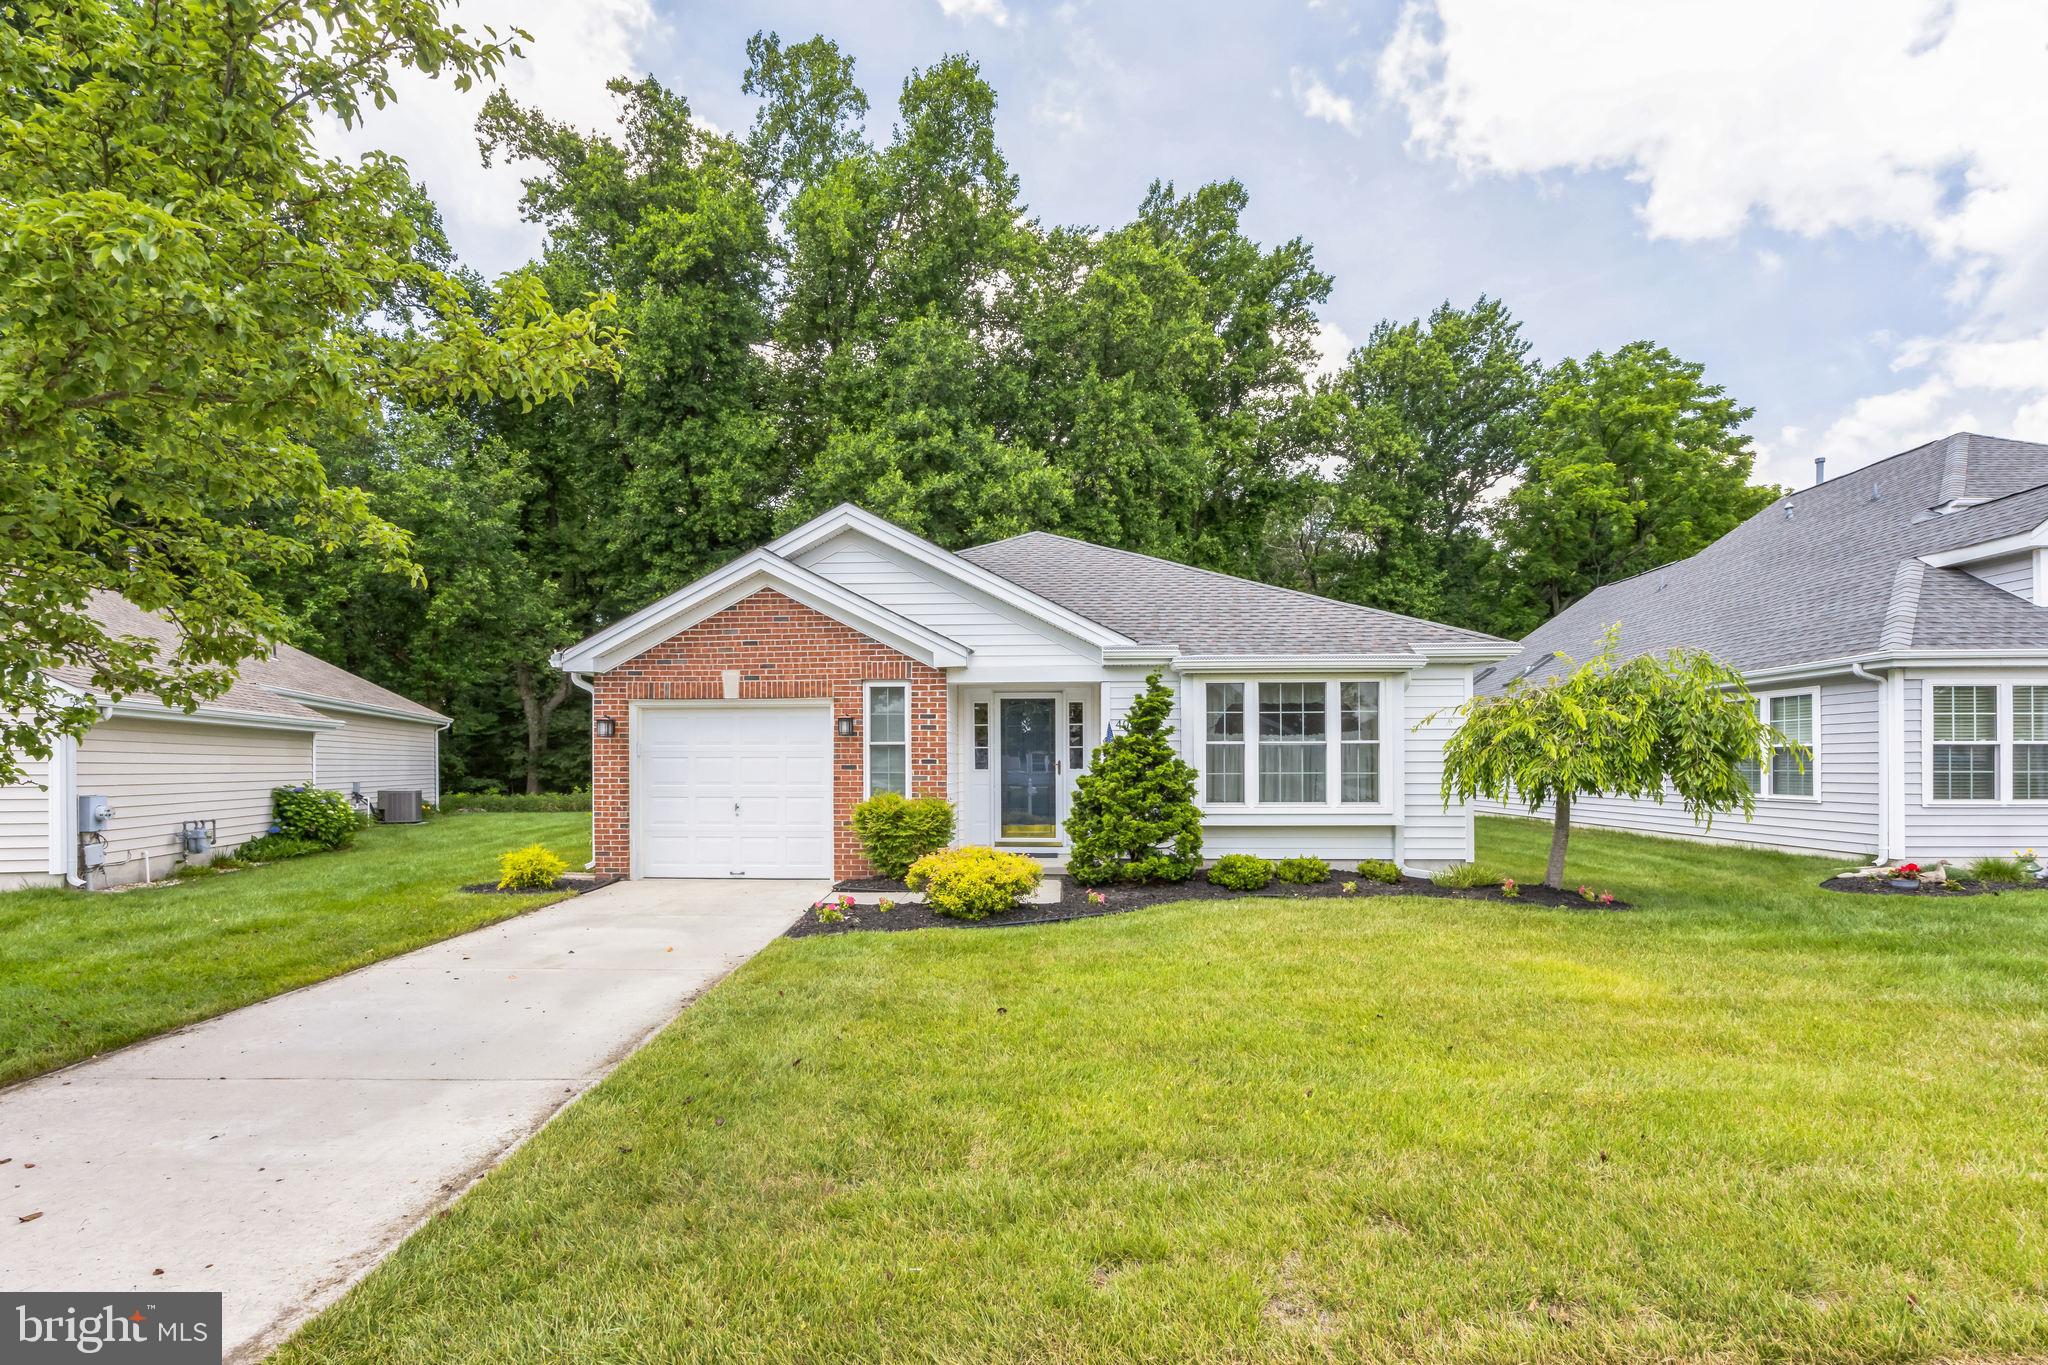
x: 259, y: 681
x: 1831, y: 571
x: 1159, y: 602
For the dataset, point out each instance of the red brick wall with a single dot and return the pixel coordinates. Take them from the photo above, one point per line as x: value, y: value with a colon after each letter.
x: 782, y: 649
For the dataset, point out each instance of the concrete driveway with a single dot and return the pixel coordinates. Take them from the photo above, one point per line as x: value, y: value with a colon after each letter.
x: 278, y: 1152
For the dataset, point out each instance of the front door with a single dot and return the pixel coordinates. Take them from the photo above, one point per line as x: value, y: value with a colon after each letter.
x: 1028, y: 802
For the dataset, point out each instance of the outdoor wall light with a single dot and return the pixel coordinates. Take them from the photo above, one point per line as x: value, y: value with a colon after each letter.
x: 606, y: 727
x: 849, y: 726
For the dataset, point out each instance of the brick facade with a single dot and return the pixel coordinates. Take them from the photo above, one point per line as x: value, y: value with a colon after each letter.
x: 782, y: 649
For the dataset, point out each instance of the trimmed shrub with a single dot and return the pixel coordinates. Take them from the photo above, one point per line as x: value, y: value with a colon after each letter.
x: 972, y: 882
x: 1379, y: 870
x: 532, y: 868
x: 314, y: 814
x: 1242, y: 872
x: 501, y: 801
x: 1134, y: 816
x: 271, y: 848
x: 895, y: 831
x: 1463, y: 876
x: 1303, y: 871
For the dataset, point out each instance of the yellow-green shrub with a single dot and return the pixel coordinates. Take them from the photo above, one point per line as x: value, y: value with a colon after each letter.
x: 532, y: 868
x: 895, y: 831
x: 973, y: 883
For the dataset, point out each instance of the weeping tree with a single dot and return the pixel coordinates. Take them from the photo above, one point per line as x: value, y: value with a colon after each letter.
x: 1683, y: 724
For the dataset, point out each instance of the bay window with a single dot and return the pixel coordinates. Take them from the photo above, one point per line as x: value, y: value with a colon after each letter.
x: 1311, y: 742
x: 1224, y: 762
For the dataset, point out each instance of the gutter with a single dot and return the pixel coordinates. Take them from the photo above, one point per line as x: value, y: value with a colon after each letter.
x: 1888, y: 756
x: 314, y: 699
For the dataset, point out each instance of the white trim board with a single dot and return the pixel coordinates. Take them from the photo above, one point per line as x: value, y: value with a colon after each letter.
x: 751, y: 572
x: 848, y: 517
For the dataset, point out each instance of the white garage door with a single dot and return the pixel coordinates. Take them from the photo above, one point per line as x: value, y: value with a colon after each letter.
x: 733, y: 791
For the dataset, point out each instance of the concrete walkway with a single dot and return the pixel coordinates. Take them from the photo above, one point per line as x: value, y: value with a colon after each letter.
x: 278, y: 1152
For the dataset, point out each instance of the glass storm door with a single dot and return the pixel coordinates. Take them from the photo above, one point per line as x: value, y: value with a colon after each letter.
x: 1031, y: 782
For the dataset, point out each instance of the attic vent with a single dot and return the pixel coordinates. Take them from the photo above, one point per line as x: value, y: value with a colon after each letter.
x: 1788, y: 509
x: 1877, y: 492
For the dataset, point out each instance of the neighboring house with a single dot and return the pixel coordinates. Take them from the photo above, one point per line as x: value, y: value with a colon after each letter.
x: 1895, y: 620
x: 739, y: 720
x: 289, y: 718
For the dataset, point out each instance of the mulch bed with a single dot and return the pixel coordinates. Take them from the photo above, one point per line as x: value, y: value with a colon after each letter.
x: 574, y: 884
x: 1954, y: 886
x: 1073, y: 903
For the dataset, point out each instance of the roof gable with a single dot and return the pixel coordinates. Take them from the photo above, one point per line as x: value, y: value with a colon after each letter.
x: 719, y: 589
x: 1823, y: 574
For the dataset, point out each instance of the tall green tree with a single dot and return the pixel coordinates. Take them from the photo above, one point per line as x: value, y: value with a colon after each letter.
x: 1429, y: 416
x: 673, y: 466
x: 1639, y: 461
x: 459, y: 636
x: 185, y: 285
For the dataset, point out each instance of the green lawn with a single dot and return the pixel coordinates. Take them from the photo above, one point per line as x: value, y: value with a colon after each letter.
x: 1752, y: 1121
x: 81, y: 973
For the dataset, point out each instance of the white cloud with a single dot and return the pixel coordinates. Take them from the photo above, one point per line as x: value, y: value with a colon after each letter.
x: 1319, y: 101
x: 1333, y: 347
x: 1914, y: 117
x: 576, y: 48
x: 995, y: 11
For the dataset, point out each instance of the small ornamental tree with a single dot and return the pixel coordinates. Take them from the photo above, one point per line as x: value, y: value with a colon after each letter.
x: 1134, y: 816
x: 1608, y: 727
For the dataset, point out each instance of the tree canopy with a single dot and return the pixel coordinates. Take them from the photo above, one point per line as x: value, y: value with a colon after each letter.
x: 187, y: 293
x: 272, y: 388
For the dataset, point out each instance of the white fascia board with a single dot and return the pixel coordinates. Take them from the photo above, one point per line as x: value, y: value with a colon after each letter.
x: 218, y: 715
x: 848, y: 517
x: 1476, y: 652
x: 358, y: 708
x: 1921, y: 658
x: 1299, y: 663
x: 744, y: 576
x: 2017, y: 543
x: 1140, y: 656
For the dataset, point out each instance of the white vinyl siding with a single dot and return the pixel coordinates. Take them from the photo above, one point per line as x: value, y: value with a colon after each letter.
x: 159, y: 774
x: 25, y: 823
x: 2013, y: 573
x: 374, y: 754
x: 1842, y: 816
x: 1341, y: 846
x: 1431, y: 836
x: 1000, y: 636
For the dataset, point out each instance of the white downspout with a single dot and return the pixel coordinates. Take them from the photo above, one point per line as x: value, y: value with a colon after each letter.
x: 583, y: 681
x: 1888, y: 759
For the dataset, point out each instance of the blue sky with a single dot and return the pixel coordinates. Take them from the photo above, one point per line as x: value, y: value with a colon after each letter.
x: 1837, y: 207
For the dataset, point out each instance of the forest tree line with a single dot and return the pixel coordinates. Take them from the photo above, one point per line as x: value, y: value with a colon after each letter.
x: 813, y: 316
